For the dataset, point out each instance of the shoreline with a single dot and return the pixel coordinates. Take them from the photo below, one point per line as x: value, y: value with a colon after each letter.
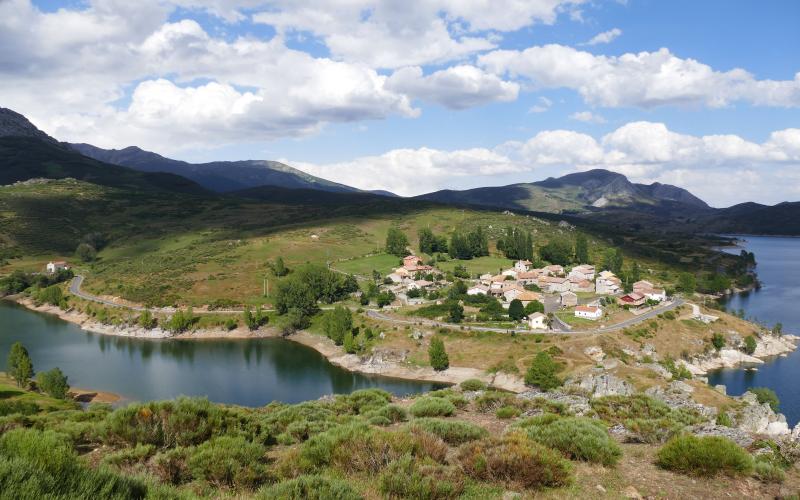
x: 372, y: 365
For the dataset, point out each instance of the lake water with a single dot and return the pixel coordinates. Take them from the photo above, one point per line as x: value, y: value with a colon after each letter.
x: 778, y: 300
x: 249, y: 372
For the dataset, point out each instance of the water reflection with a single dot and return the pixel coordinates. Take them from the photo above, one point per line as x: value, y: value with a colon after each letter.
x: 250, y: 372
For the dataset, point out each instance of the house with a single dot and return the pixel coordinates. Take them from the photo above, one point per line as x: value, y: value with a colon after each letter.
x: 423, y: 283
x: 554, y: 270
x: 55, y: 266
x: 523, y: 265
x: 580, y: 285
x: 642, y: 287
x: 486, y: 278
x: 527, y: 297
x: 479, y: 289
x: 512, y: 290
x: 510, y: 272
x: 557, y: 285
x: 588, y: 312
x: 607, y: 283
x: 657, y: 294
x: 528, y: 277
x: 632, y: 299
x: 582, y: 272
x: 411, y: 262
x: 568, y: 299
x: 537, y: 321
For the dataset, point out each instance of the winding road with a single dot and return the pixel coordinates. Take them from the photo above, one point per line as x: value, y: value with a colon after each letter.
x: 77, y: 281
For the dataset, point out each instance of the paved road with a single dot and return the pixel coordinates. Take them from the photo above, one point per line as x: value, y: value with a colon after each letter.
x: 372, y: 313
x: 77, y: 281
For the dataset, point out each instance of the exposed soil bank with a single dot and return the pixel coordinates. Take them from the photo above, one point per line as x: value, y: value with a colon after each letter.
x: 374, y: 365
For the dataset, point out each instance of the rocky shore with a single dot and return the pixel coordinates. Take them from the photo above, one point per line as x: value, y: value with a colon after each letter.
x: 382, y: 362
x: 766, y: 346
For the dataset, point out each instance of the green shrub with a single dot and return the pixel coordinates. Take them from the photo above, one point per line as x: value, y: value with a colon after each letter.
x: 765, y: 395
x: 361, y: 448
x: 432, y: 407
x: 724, y: 419
x: 648, y: 419
x: 129, y: 457
x: 453, y: 432
x: 451, y: 395
x: 54, y: 383
x: 390, y: 414
x: 406, y: 478
x: 516, y: 461
x: 181, y: 422
x: 704, y: 456
x: 310, y: 487
x: 10, y: 407
x: 543, y: 372
x: 578, y: 438
x: 230, y: 462
x: 437, y: 355
x: 507, y: 412
x: 37, y: 464
x: 171, y: 466
x: 473, y: 384
x: 750, y: 344
x: 296, y: 423
x: 362, y: 401
x: 768, y: 472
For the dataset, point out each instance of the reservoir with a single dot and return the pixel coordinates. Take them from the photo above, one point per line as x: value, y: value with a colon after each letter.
x: 777, y: 301
x: 249, y: 372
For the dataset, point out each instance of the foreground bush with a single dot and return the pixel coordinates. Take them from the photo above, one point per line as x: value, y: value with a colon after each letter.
x: 406, y: 478
x: 432, y: 407
x: 36, y: 464
x: 362, y: 448
x: 453, y: 432
x: 515, y: 460
x: 473, y: 384
x: 649, y: 420
x: 229, y: 462
x: 578, y: 438
x: 310, y: 488
x: 704, y: 456
x: 543, y: 372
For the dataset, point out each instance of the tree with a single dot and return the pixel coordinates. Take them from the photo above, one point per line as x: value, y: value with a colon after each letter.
x: 515, y: 310
x: 396, y: 242
x: 636, y: 272
x: 146, y: 320
x: 456, y: 312
x: 349, y: 343
x: 54, y: 383
x: 181, y: 320
x: 336, y: 323
x: 256, y: 320
x: 613, y: 260
x: 19, y: 365
x: 581, y: 249
x: 385, y: 298
x: 86, y: 252
x: 516, y: 244
x: 687, y: 283
x: 750, y: 344
x: 437, y: 355
x: 430, y: 243
x: 778, y: 328
x: 556, y: 251
x: 278, y: 267
x: 534, y: 306
x: 493, y: 309
x: 51, y: 295
x: 543, y: 372
x: 718, y: 341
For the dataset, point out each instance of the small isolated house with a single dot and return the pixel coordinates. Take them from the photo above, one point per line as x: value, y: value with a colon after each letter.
x: 588, y: 312
x: 568, y: 299
x: 55, y: 266
x: 523, y: 265
x: 537, y: 321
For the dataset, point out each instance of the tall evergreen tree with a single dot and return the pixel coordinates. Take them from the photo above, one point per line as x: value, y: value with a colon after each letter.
x: 437, y: 355
x: 19, y: 365
x: 581, y: 249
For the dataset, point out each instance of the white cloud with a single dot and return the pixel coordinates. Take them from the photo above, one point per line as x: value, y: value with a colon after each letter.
x: 723, y: 169
x: 457, y: 87
x: 395, y: 34
x: 605, y: 37
x: 646, y: 79
x: 587, y: 117
x: 543, y: 104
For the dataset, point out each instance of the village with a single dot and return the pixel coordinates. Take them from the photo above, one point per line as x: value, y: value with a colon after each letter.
x: 552, y: 297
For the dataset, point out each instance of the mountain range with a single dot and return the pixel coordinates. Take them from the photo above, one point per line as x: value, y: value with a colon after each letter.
x: 602, y: 195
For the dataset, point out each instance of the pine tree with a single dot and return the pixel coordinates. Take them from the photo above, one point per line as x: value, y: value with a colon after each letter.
x: 515, y: 310
x: 19, y: 365
x: 396, y: 242
x: 581, y: 249
x: 349, y: 343
x: 54, y: 383
x: 437, y: 355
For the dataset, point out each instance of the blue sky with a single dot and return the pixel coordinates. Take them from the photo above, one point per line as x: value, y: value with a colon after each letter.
x: 426, y: 94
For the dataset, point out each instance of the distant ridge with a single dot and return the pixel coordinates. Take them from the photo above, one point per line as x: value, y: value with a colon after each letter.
x: 578, y: 192
x: 219, y: 176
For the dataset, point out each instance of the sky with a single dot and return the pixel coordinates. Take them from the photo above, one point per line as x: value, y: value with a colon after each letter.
x: 413, y: 96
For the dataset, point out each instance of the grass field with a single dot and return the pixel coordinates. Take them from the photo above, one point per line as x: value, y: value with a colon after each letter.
x: 481, y: 265
x: 363, y: 266
x: 10, y: 392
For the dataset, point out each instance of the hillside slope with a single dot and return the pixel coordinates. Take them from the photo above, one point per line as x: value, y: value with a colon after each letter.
x: 578, y: 192
x: 219, y: 176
